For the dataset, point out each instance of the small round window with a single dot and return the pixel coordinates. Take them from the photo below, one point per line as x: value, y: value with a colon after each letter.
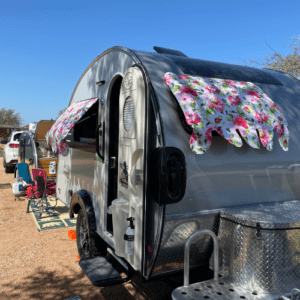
x: 128, y: 114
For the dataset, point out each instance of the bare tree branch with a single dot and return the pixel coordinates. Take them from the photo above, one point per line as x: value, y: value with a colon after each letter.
x: 289, y: 64
x: 8, y: 116
x: 271, y: 48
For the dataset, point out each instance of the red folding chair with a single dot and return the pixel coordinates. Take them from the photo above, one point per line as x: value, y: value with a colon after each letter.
x: 40, y: 189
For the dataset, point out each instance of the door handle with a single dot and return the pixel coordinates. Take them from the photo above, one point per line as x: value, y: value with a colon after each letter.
x: 100, y: 148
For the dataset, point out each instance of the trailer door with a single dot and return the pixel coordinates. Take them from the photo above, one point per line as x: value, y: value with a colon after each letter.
x: 132, y: 126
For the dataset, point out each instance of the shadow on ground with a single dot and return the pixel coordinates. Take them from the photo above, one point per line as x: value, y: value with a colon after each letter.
x: 51, y: 285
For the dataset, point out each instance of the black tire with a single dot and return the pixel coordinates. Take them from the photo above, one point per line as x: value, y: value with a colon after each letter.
x: 7, y: 169
x: 89, y: 244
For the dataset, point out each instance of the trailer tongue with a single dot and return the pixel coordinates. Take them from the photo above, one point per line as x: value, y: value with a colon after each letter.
x: 258, y: 247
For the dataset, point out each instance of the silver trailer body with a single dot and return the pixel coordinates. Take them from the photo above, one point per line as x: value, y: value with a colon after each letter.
x: 225, y: 176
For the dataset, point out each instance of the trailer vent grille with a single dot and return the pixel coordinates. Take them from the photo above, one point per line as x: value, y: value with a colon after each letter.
x: 128, y: 114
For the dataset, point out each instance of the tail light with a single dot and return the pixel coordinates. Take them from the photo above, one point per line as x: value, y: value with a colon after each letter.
x: 13, y: 145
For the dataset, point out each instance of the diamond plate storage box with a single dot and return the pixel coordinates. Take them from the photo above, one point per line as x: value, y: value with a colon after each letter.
x: 260, y: 246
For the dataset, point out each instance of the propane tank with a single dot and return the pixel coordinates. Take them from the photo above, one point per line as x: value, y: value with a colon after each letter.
x: 18, y: 189
x: 129, y: 237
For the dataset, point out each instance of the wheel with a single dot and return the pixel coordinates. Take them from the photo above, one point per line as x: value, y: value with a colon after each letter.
x: 89, y: 244
x: 7, y: 169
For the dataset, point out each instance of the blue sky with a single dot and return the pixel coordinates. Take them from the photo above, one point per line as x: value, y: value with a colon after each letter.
x: 45, y: 46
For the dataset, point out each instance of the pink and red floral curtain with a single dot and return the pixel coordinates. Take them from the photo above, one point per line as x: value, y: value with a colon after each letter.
x: 59, y: 130
x: 227, y: 106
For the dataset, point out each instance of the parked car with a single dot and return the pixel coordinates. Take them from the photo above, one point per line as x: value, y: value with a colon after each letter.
x: 11, y: 151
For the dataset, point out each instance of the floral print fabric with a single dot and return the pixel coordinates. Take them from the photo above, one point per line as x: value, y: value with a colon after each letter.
x: 227, y: 106
x: 59, y: 130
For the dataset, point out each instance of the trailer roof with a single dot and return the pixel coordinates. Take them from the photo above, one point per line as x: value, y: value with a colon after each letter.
x: 213, y: 69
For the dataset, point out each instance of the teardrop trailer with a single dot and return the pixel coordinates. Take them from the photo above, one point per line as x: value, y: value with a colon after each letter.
x: 129, y: 147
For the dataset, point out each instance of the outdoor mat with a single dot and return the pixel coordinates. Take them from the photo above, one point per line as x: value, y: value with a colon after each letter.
x: 52, y: 222
x: 5, y: 186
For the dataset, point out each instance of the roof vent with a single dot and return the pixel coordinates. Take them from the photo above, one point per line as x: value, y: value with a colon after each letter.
x: 162, y: 50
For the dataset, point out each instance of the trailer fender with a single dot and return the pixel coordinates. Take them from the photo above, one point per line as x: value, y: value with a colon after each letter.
x: 81, y: 200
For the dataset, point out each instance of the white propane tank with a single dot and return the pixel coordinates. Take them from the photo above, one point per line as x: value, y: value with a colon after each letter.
x: 129, y: 238
x: 52, y: 167
x: 18, y: 187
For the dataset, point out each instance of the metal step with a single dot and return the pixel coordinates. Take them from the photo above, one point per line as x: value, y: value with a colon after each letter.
x: 100, y: 272
x: 220, y: 289
x: 223, y: 289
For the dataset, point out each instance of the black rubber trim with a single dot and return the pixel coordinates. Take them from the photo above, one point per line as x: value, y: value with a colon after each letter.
x: 261, y: 228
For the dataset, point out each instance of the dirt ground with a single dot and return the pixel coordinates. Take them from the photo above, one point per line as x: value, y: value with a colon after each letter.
x: 44, y: 265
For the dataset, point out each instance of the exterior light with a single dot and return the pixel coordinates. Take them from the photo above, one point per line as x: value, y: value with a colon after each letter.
x: 99, y: 83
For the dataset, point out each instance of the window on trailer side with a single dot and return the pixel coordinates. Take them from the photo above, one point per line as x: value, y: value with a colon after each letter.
x: 85, y: 128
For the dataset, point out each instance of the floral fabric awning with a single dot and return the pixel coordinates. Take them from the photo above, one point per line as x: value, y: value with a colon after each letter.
x: 59, y: 130
x: 226, y: 106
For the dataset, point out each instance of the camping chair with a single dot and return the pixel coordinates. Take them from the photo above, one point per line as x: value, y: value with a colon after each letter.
x: 40, y: 190
x: 24, y: 173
